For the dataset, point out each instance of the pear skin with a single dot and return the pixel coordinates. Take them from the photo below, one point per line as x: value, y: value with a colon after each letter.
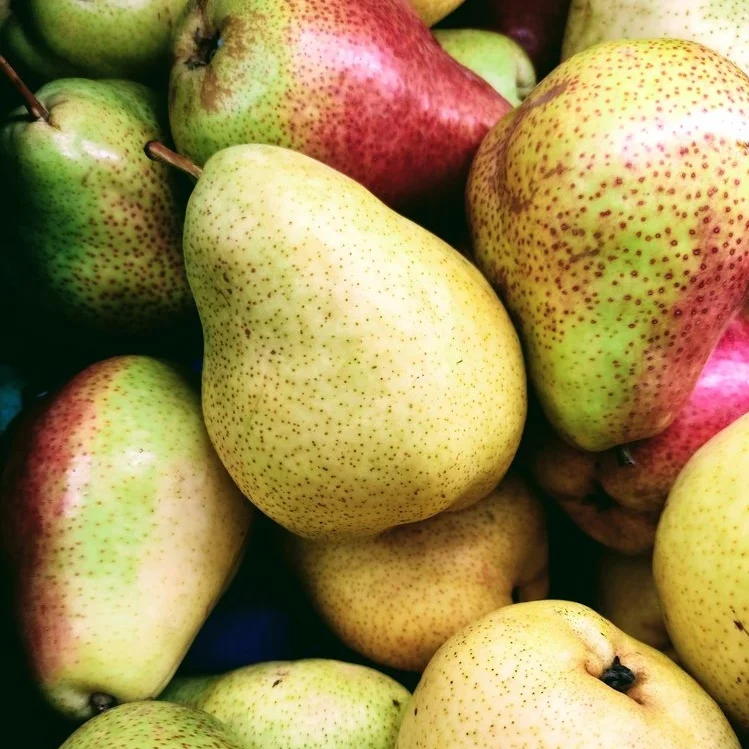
x: 152, y: 725
x: 551, y: 674
x: 359, y: 373
x: 314, y: 703
x: 358, y: 84
x: 433, y: 11
x: 701, y: 568
x: 396, y: 597
x: 122, y: 529
x: 616, y: 230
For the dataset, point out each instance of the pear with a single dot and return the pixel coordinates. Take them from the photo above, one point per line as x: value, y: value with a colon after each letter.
x: 396, y: 597
x: 358, y: 84
x: 618, y: 235
x: 617, y: 498
x: 122, y: 529
x: 306, y: 704
x: 358, y: 372
x: 721, y: 25
x: 103, y: 39
x: 98, y: 225
x: 701, y: 568
x: 433, y: 11
x: 152, y: 725
x: 625, y: 594
x: 498, y: 59
x: 551, y: 674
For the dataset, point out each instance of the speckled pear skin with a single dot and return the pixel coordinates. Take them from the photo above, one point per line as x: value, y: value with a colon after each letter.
x: 396, y: 597
x: 152, y: 725
x: 122, y: 529
x: 103, y: 39
x: 99, y: 224
x: 306, y: 704
x: 528, y: 675
x: 612, y: 212
x: 358, y: 84
x: 701, y: 568
x: 721, y: 25
x: 358, y: 373
x: 618, y: 503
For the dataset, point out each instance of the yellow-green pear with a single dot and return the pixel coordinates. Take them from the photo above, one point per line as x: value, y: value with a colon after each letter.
x: 396, y: 597
x: 152, y: 725
x: 359, y: 373
x: 701, y: 567
x: 308, y: 704
x: 556, y: 675
x: 432, y: 11
x: 625, y: 594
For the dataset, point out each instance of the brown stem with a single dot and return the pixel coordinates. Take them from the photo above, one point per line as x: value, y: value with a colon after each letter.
x: 159, y: 152
x: 618, y: 676
x: 36, y: 109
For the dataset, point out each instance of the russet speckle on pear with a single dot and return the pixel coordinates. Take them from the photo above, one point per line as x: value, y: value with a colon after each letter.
x: 313, y: 703
x: 701, y: 568
x: 611, y: 210
x: 153, y: 725
x: 122, y: 529
x: 97, y: 226
x: 396, y: 597
x: 359, y: 373
x: 358, y: 84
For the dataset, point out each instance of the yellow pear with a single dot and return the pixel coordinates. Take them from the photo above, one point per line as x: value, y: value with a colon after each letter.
x: 701, y: 567
x: 552, y: 675
x: 398, y: 596
x: 625, y: 594
x: 432, y: 11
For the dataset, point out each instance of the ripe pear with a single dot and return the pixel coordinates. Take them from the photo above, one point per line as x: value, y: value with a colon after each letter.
x: 396, y: 597
x: 358, y: 372
x: 625, y: 594
x: 721, y: 25
x: 306, y: 704
x: 613, y: 219
x: 153, y: 725
x: 122, y: 529
x: 433, y: 11
x: 103, y: 39
x: 551, y: 674
x: 98, y: 225
x: 498, y: 59
x: 358, y: 84
x: 617, y: 498
x: 701, y: 568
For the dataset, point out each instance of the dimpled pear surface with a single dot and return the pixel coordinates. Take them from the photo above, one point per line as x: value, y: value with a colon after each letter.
x: 611, y: 210
x: 122, y: 527
x: 701, y: 568
x: 307, y: 704
x: 359, y: 373
x: 152, y: 725
x: 98, y: 225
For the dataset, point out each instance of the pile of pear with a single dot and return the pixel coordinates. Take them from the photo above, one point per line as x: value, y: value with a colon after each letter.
x: 435, y: 300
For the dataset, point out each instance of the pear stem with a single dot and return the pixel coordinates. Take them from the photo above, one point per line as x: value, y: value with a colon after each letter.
x: 618, y: 676
x: 159, y: 152
x: 36, y: 109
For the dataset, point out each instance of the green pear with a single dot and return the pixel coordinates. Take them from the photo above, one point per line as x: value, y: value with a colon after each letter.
x: 103, y: 39
x: 555, y: 675
x: 612, y: 219
x: 701, y: 568
x: 397, y: 596
x: 497, y: 58
x: 306, y: 704
x: 721, y: 25
x: 98, y: 225
x: 152, y: 725
x: 121, y: 528
x: 359, y: 373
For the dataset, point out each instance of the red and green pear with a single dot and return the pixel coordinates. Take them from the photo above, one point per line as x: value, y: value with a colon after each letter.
x: 122, y: 529
x: 617, y: 497
x: 611, y: 211
x: 360, y: 85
